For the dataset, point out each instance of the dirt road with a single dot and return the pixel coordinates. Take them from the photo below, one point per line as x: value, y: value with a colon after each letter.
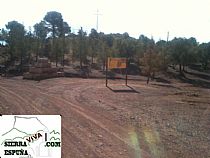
x: 136, y: 121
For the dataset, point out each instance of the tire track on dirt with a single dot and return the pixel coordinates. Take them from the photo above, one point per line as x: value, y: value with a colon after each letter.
x: 83, y: 88
x: 18, y: 99
x: 85, y: 113
x: 88, y: 115
x: 76, y: 108
x: 20, y: 102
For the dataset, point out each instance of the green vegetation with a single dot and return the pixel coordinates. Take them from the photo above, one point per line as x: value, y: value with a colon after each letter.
x: 52, y: 38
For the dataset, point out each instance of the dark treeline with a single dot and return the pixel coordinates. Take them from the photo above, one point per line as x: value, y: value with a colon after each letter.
x: 52, y: 38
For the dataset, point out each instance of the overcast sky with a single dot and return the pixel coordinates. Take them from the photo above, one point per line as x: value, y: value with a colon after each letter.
x: 182, y: 18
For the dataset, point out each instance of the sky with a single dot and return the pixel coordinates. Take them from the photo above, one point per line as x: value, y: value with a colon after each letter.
x: 153, y: 18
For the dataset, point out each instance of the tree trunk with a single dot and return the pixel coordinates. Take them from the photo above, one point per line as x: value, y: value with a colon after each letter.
x: 21, y: 62
x: 56, y: 55
x: 56, y: 58
x: 180, y: 68
x: 80, y: 51
x: 205, y: 65
x: 41, y: 50
x: 63, y: 60
x: 183, y: 68
x: 80, y: 61
x: 11, y: 57
x: 36, y: 56
x: 64, y: 49
x: 104, y: 64
x: 80, y: 57
x: 153, y: 75
x: 92, y: 59
x: 173, y: 66
x: 37, y: 51
x: 148, y: 77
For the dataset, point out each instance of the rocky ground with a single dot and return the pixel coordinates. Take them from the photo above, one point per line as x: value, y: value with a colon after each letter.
x: 170, y: 119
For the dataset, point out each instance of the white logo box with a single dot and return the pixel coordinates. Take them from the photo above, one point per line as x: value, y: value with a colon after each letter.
x: 30, y: 136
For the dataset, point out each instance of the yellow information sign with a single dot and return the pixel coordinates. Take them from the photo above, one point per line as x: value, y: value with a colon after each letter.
x: 117, y: 63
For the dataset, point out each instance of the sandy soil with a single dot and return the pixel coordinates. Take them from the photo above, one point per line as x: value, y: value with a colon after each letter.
x: 140, y: 121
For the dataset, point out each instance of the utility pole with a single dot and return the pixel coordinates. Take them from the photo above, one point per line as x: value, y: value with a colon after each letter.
x: 97, y: 14
x: 166, y: 49
x: 167, y: 36
x: 81, y: 46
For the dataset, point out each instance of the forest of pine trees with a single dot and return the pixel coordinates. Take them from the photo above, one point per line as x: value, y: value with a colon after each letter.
x: 52, y: 38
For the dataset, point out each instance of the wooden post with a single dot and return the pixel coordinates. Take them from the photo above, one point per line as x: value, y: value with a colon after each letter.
x: 106, y: 71
x: 126, y: 77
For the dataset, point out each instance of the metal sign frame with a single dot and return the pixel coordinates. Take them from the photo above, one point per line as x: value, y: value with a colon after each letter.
x: 126, y: 70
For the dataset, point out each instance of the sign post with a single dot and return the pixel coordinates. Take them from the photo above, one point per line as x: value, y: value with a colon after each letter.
x: 119, y: 63
x: 126, y: 76
x: 106, y: 72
